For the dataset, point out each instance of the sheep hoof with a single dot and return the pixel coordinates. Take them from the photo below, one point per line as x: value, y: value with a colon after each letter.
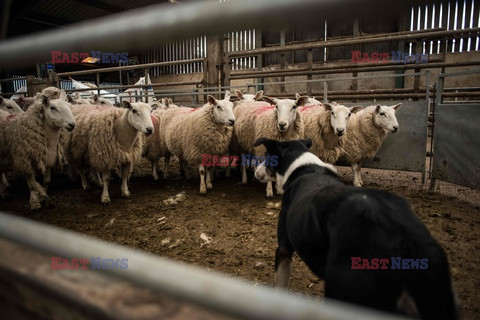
x: 85, y: 187
x: 209, y: 186
x: 357, y: 184
x: 106, y: 201
x: 126, y: 195
x: 269, y: 196
x: 49, y: 204
x: 35, y: 206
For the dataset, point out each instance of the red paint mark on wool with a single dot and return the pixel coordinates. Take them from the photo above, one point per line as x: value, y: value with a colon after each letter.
x: 263, y: 109
x: 309, y: 107
x: 154, y: 119
x: 8, y: 118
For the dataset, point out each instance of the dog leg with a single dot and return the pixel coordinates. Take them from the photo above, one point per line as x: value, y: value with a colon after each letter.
x: 269, y: 190
x: 283, y: 259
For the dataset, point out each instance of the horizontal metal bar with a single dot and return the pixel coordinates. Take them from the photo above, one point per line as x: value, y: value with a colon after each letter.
x: 166, y: 84
x: 13, y: 79
x: 355, y: 41
x: 459, y: 73
x: 12, y: 93
x: 213, y: 290
x: 132, y: 67
x: 354, y: 68
x: 144, y: 27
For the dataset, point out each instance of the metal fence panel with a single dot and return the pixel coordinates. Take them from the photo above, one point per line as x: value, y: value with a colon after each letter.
x: 457, y: 144
x: 405, y: 149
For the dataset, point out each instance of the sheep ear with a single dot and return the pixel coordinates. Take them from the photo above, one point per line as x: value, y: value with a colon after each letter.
x: 170, y: 100
x: 378, y: 108
x: 272, y: 101
x: 327, y: 106
x: 397, y: 106
x: 2, y: 100
x: 77, y: 95
x: 126, y: 104
x: 211, y: 100
x: 45, y: 100
x: 95, y: 97
x: 301, y: 101
x: 167, y: 102
x: 239, y: 94
x: 307, y: 142
x: 227, y: 95
x: 259, y: 95
x: 69, y: 98
x: 297, y: 95
x: 355, y: 109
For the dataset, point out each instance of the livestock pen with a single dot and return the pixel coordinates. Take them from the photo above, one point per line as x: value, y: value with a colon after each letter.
x: 194, y: 256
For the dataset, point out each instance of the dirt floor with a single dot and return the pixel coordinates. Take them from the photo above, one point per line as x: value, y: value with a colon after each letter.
x: 242, y: 223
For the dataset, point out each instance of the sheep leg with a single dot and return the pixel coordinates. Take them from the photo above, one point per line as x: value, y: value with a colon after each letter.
x: 165, y: 168
x: 356, y: 175
x: 105, y: 199
x: 209, y: 178
x: 185, y: 170
x: 3, y: 188
x: 244, y: 175
x: 212, y: 173
x: 154, y: 170
x: 5, y: 181
x: 228, y: 171
x: 47, y: 178
x: 269, y: 190
x: 34, y: 199
x: 124, y: 188
x: 201, y: 171
x: 97, y: 178
x: 85, y: 184
x: 360, y: 173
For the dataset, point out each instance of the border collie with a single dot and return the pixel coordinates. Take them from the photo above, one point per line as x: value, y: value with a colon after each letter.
x: 368, y: 245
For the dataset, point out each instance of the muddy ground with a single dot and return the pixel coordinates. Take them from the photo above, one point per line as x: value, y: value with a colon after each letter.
x: 242, y: 228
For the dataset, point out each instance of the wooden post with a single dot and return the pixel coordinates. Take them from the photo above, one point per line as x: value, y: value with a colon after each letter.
x: 309, y: 77
x: 282, y: 58
x: 416, y: 79
x: 356, y: 33
x: 259, y: 44
x: 214, y: 59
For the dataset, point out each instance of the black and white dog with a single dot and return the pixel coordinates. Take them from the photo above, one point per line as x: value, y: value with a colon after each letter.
x: 368, y: 245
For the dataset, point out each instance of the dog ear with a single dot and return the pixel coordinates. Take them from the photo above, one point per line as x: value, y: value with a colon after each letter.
x: 307, y: 142
x: 271, y: 145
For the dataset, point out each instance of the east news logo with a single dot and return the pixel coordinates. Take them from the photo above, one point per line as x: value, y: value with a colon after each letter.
x: 394, y: 263
x: 96, y: 263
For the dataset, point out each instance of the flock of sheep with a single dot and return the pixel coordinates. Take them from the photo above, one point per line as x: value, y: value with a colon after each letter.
x: 95, y: 138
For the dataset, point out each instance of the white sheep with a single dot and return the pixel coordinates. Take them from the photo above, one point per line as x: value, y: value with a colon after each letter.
x: 248, y: 97
x: 203, y: 131
x: 326, y: 125
x: 311, y: 100
x: 30, y: 143
x: 9, y: 106
x: 114, y: 141
x: 367, y: 130
x: 282, y: 122
x: 77, y: 99
x: 54, y: 93
x: 100, y: 101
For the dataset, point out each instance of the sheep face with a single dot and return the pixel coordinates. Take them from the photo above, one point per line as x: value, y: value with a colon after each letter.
x: 385, y: 118
x: 9, y: 106
x: 286, y: 110
x: 100, y: 101
x: 58, y: 113
x: 139, y: 116
x: 249, y: 97
x: 339, y: 116
x: 222, y: 109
